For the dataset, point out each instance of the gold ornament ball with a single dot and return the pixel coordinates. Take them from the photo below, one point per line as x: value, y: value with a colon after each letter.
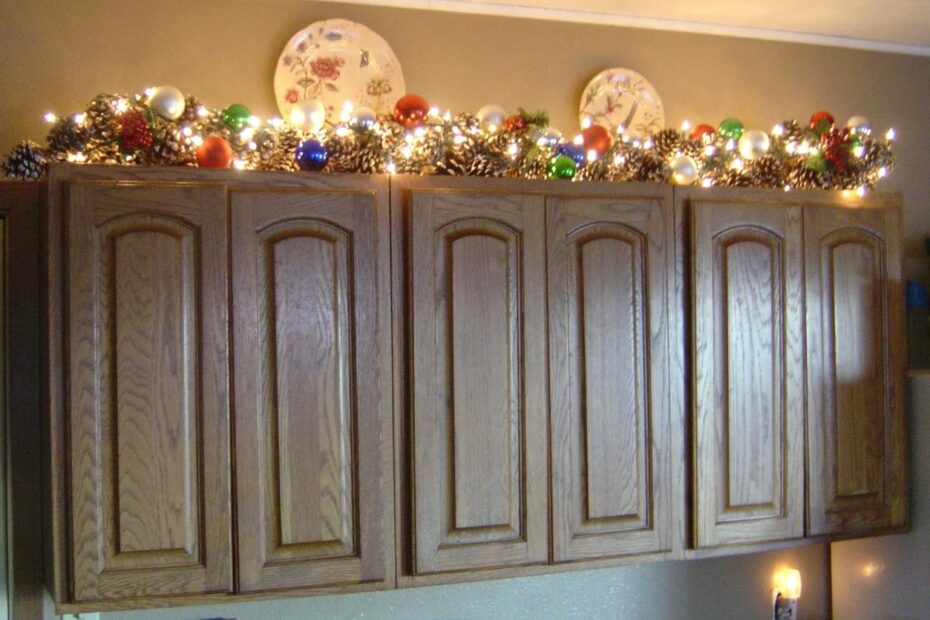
x: 684, y: 169
x: 754, y: 143
x: 167, y: 102
x: 492, y: 118
x: 308, y: 115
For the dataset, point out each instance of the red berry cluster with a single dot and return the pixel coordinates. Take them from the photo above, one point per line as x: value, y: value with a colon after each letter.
x: 134, y: 132
x: 835, y: 148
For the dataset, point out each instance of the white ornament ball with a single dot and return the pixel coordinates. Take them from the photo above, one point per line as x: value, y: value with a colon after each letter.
x: 167, y: 102
x: 684, y: 169
x: 308, y: 115
x: 548, y: 136
x: 492, y: 117
x: 365, y: 116
x: 859, y: 125
x: 754, y: 143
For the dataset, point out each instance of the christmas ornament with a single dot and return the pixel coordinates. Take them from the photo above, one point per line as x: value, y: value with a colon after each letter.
x: 311, y: 155
x: 167, y: 102
x: 411, y: 111
x: 684, y: 170
x: 834, y: 149
x: 821, y: 122
x: 134, y: 132
x: 859, y: 125
x: 365, y: 117
x: 576, y: 152
x: 514, y: 123
x: 562, y: 167
x: 547, y: 136
x: 215, y: 152
x: 596, y: 138
x: 491, y: 117
x: 700, y: 131
x: 236, y: 116
x: 754, y: 144
x: 731, y: 128
x: 308, y: 115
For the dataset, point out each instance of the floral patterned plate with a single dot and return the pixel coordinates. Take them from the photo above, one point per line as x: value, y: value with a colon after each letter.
x: 616, y: 97
x: 337, y: 60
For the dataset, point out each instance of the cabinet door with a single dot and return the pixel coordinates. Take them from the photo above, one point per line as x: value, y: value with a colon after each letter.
x: 313, y: 438
x: 148, y: 390
x: 748, y: 371
x: 611, y: 287
x: 476, y: 274
x: 857, y: 426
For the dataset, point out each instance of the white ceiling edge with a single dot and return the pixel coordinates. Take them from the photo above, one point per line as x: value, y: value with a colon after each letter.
x: 650, y: 23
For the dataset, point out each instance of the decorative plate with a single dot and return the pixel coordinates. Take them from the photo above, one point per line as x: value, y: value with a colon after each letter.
x: 616, y: 97
x: 337, y: 60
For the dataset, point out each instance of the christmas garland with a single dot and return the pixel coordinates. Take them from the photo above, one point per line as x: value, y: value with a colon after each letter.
x: 152, y: 129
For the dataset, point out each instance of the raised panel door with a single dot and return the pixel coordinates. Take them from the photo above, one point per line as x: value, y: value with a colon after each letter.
x: 748, y: 360
x: 611, y: 289
x: 857, y: 429
x: 148, y: 397
x: 475, y: 273
x: 312, y: 418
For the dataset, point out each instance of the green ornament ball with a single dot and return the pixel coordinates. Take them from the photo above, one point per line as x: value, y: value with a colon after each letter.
x: 562, y: 167
x: 236, y: 116
x: 731, y: 128
x: 817, y: 162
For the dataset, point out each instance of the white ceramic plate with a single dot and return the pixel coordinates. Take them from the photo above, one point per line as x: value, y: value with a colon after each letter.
x: 337, y: 60
x: 616, y: 97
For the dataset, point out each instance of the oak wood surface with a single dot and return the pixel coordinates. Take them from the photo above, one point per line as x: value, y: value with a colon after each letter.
x: 148, y: 366
x: 748, y: 356
x: 857, y: 428
x: 611, y: 277
x: 314, y: 428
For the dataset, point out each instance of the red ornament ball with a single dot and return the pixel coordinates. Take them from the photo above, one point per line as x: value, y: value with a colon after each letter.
x: 515, y: 123
x: 702, y: 130
x: 411, y: 111
x: 596, y: 138
x: 215, y: 152
x: 822, y: 122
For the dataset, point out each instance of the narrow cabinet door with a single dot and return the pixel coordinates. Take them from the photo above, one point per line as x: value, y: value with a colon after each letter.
x: 857, y: 425
x: 148, y: 390
x: 476, y: 272
x: 313, y: 439
x: 748, y: 370
x: 611, y: 289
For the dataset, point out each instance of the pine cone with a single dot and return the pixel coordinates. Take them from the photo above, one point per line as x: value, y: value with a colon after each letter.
x: 191, y: 114
x: 693, y: 149
x: 793, y: 132
x: 766, y: 172
x: 653, y: 169
x: 453, y: 165
x: 802, y: 177
x: 734, y: 178
x: 66, y: 136
x: 468, y: 123
x: 26, y: 162
x: 486, y: 166
x: 101, y: 119
x: 170, y: 147
x: 668, y: 142
x: 594, y: 171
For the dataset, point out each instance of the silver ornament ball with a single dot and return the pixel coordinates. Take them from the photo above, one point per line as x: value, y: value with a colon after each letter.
x: 548, y: 137
x: 308, y: 115
x: 684, y: 169
x: 859, y: 125
x: 167, y: 102
x: 754, y: 143
x: 491, y: 117
x: 365, y: 117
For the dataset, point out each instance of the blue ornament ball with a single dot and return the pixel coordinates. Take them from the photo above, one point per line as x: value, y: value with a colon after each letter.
x: 311, y: 155
x: 575, y: 151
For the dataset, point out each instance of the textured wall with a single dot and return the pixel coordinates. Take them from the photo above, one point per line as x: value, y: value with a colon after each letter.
x: 57, y: 54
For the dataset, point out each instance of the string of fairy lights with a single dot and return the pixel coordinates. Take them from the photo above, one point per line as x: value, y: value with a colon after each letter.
x: 162, y: 126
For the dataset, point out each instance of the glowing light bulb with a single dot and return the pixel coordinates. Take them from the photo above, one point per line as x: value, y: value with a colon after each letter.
x: 342, y: 131
x: 121, y: 105
x: 619, y: 159
x: 587, y: 121
x: 648, y: 144
x: 686, y: 125
x: 859, y: 151
x: 882, y: 172
x: 253, y: 146
x: 149, y: 92
x: 512, y: 149
x: 79, y: 118
x: 246, y: 134
x: 203, y: 112
x: 787, y: 188
x: 731, y: 145
x: 710, y: 150
x: 407, y: 151
x: 707, y: 182
x: 861, y: 191
x: 737, y: 164
x: 276, y: 122
x: 890, y: 134
x: 391, y: 168
x: 578, y: 140
x: 434, y: 111
x: 187, y: 132
x: 50, y: 117
x: 197, y: 141
x: 77, y: 158
x: 593, y: 155
x: 238, y: 164
x: 778, y: 130
x: 254, y: 121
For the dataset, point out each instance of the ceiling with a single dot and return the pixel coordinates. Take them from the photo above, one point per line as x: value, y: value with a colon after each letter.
x: 901, y: 26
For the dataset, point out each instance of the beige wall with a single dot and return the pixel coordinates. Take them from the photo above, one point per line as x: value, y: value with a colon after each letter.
x: 57, y: 54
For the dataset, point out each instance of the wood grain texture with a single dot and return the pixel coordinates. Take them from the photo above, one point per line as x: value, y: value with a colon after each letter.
x: 313, y: 418
x: 148, y: 392
x: 857, y: 426
x: 611, y: 288
x: 748, y: 357
x: 19, y: 210
x: 477, y: 369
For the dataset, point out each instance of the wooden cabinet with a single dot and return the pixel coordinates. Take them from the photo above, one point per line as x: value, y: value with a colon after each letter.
x: 313, y: 423
x: 475, y: 274
x: 857, y: 430
x: 147, y: 392
x: 612, y: 298
x: 748, y: 356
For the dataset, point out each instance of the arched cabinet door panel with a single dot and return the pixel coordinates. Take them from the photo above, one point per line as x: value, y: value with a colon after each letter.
x: 611, y: 290
x: 147, y: 391
x: 857, y: 426
x: 748, y: 364
x: 312, y: 414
